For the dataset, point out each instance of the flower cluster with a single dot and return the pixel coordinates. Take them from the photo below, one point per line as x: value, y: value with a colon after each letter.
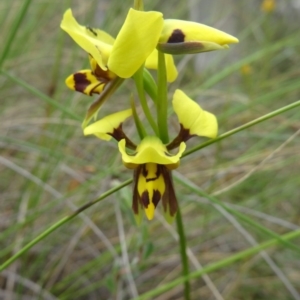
x: 145, y: 41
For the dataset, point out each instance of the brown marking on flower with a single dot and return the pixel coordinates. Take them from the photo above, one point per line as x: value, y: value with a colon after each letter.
x: 177, y: 36
x: 151, y: 179
x: 156, y: 197
x: 145, y: 199
x: 118, y: 134
x: 135, y: 197
x: 80, y: 82
x: 103, y: 76
x: 157, y: 173
x: 185, y: 133
x: 169, y: 200
x: 94, y: 88
x: 158, y: 170
x: 183, y: 136
x: 144, y: 171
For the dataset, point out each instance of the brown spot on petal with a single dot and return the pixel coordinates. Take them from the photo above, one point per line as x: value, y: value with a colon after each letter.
x: 135, y: 198
x: 156, y: 197
x: 177, y: 36
x: 169, y: 197
x: 144, y: 171
x: 80, y: 82
x: 103, y: 76
x: 145, y: 199
x: 159, y: 170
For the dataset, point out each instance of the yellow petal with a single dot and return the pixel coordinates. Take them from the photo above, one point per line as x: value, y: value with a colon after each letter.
x: 150, y: 211
x: 178, y: 31
x: 107, y: 125
x: 86, y: 82
x: 95, y: 42
x: 151, y: 150
x: 151, y: 187
x: 193, y: 117
x: 136, y: 40
x: 101, y: 35
x: 152, y: 63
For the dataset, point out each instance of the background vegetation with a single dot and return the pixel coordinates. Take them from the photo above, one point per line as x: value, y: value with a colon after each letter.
x: 48, y: 169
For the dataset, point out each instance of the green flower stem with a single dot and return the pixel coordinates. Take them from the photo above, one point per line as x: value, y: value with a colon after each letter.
x: 217, y: 265
x: 184, y: 258
x: 162, y: 99
x: 60, y: 223
x: 13, y: 31
x: 162, y: 121
x: 139, y: 82
x: 247, y: 125
x: 138, y: 124
x: 138, y: 5
x: 150, y: 85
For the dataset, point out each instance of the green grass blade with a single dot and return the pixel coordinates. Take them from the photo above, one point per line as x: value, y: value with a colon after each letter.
x: 59, y: 223
x: 40, y: 95
x: 13, y: 31
x: 217, y: 265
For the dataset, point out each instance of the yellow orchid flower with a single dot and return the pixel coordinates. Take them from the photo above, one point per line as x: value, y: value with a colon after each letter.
x: 150, y: 160
x: 120, y: 57
x: 152, y: 164
x: 184, y: 37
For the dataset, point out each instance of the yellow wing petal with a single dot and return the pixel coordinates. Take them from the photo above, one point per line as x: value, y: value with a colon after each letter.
x: 193, y: 117
x: 100, y: 35
x: 136, y: 40
x: 107, y: 125
x: 95, y: 42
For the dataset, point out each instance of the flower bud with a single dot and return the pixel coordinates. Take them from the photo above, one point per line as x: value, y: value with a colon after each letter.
x: 184, y: 37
